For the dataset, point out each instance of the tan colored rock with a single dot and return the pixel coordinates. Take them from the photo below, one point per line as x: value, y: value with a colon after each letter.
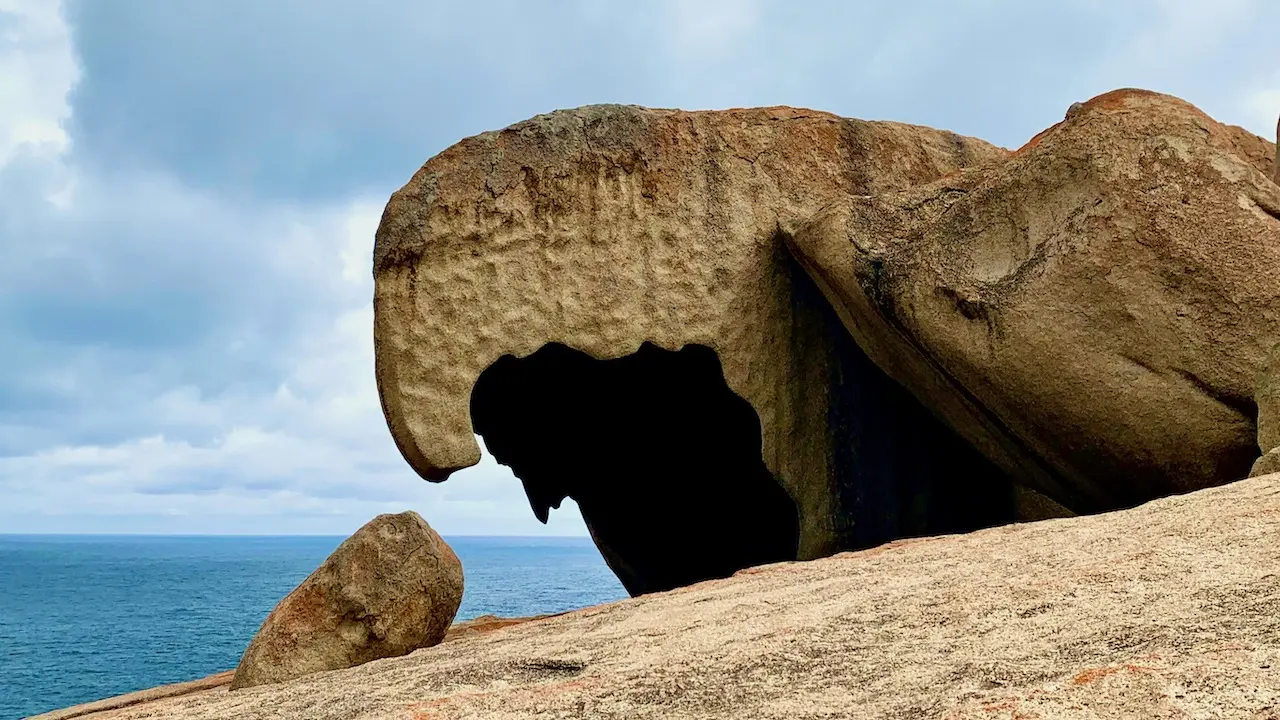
x: 1083, y: 319
x: 485, y: 624
x: 1169, y: 610
x: 605, y: 228
x: 392, y: 587
x: 1091, y: 313
x: 1268, y: 400
x: 1267, y: 464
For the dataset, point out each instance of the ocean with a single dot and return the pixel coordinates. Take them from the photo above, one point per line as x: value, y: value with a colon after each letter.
x: 86, y: 617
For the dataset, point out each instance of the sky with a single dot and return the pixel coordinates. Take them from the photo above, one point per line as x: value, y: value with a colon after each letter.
x: 189, y: 192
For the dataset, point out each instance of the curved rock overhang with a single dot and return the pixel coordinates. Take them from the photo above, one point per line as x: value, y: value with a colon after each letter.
x: 661, y: 457
x: 604, y: 228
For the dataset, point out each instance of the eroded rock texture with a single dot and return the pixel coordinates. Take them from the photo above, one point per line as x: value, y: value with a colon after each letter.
x: 1092, y: 313
x: 604, y: 228
x: 666, y: 314
x: 392, y: 587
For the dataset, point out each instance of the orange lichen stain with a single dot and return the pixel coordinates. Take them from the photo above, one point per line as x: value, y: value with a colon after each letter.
x: 1034, y: 141
x: 1119, y: 100
x: 1113, y: 100
x: 1116, y: 99
x: 1092, y: 675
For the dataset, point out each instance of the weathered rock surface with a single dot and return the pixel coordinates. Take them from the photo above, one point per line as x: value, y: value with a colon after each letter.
x: 1268, y: 401
x: 1091, y: 313
x: 392, y: 587
x: 611, y: 297
x: 1267, y: 464
x: 606, y: 227
x: 1168, y: 610
x: 616, y: 234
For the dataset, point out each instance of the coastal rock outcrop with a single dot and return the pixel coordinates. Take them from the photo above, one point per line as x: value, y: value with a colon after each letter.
x: 780, y: 334
x: 1092, y: 313
x: 392, y: 587
x: 1169, y: 610
x: 603, y: 295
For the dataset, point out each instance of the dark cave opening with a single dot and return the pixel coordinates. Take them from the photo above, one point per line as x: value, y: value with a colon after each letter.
x: 661, y: 456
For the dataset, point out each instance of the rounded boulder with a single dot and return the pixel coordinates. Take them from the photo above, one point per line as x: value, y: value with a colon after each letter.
x: 391, y: 588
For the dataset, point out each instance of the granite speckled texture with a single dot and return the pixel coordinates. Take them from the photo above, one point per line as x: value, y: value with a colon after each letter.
x: 1171, y: 609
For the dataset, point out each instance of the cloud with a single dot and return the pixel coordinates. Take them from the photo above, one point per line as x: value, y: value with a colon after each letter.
x: 188, y: 193
x: 36, y: 70
x: 178, y: 359
x: 207, y: 371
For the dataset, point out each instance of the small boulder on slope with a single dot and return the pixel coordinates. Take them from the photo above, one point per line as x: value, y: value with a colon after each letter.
x: 389, y: 589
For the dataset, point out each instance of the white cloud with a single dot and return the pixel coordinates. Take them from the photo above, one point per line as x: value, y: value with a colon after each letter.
x: 37, y: 69
x: 313, y: 454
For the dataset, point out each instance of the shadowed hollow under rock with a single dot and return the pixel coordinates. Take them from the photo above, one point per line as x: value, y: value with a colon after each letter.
x: 664, y: 462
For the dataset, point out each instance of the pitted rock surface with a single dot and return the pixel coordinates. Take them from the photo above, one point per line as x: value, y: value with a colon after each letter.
x: 392, y: 587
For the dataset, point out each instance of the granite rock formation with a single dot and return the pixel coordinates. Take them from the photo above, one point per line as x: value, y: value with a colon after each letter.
x: 392, y: 587
x: 645, y: 244
x: 1091, y: 313
x: 778, y: 334
x: 1169, y: 610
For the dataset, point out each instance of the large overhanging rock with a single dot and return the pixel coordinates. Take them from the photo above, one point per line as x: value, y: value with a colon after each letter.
x: 584, y: 235
x: 608, y: 293
x: 1093, y: 313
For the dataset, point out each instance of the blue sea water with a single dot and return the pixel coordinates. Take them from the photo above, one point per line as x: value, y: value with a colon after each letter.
x: 86, y: 617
